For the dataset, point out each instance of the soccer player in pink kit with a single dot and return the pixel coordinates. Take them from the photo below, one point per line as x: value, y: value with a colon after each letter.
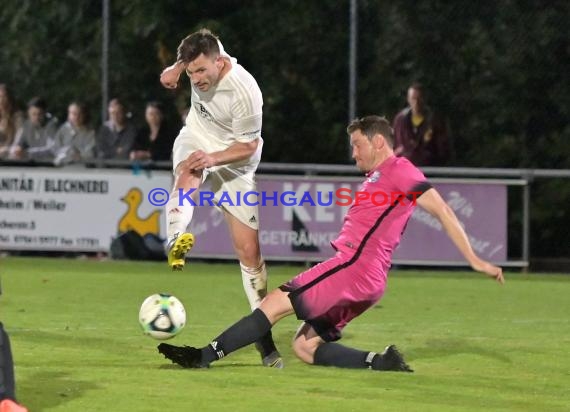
x: 329, y: 295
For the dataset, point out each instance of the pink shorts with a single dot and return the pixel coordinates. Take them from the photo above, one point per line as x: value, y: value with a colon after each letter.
x: 332, y: 293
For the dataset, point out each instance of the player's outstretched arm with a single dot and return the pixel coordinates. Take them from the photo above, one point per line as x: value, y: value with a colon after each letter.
x: 436, y: 206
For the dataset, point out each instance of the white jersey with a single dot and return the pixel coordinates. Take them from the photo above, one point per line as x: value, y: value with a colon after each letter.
x: 227, y: 113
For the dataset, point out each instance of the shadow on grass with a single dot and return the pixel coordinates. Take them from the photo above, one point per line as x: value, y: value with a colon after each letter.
x: 283, y: 341
x: 45, y: 390
x: 437, y: 348
x: 226, y: 363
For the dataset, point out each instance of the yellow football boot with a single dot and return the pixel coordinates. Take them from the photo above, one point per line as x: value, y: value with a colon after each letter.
x: 177, y: 250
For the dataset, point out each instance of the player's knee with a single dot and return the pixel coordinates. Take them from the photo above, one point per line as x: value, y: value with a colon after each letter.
x: 248, y: 252
x: 184, y: 176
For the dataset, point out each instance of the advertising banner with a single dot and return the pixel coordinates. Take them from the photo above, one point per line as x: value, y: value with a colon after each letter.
x: 75, y: 209
x: 84, y: 209
x: 300, y: 227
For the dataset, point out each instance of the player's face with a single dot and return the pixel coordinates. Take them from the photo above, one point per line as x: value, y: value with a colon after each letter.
x: 363, y: 151
x: 204, y: 71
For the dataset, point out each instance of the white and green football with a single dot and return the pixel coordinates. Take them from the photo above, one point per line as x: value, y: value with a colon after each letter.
x: 162, y: 316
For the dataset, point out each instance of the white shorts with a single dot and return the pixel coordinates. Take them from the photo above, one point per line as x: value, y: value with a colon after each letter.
x: 231, y: 179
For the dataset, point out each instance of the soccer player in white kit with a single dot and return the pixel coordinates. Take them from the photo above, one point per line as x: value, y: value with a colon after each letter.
x: 220, y: 142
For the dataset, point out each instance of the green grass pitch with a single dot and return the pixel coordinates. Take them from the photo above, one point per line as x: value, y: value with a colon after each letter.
x: 475, y: 346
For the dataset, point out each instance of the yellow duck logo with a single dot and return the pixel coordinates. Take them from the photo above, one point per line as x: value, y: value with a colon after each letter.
x: 131, y: 220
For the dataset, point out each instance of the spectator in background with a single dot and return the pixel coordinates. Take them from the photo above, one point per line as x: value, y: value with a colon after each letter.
x: 420, y: 136
x: 11, y: 121
x: 117, y: 135
x: 155, y: 139
x: 75, y: 140
x: 36, y: 140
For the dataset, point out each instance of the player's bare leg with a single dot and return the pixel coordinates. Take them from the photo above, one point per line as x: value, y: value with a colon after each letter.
x: 254, y: 278
x: 179, y: 212
x: 312, y: 349
x: 306, y: 342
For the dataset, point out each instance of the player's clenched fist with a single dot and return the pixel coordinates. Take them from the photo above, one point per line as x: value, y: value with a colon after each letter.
x: 169, y: 76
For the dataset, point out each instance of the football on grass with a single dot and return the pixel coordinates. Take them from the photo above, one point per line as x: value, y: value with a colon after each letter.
x: 162, y: 316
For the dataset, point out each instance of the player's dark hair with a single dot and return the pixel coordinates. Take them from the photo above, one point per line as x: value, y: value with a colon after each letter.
x: 203, y: 41
x: 371, y: 126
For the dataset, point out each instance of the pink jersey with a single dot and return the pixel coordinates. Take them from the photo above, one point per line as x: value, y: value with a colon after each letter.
x: 329, y: 295
x: 378, y: 216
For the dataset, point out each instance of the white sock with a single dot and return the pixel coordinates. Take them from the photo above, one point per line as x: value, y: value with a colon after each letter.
x: 177, y: 217
x: 254, y: 283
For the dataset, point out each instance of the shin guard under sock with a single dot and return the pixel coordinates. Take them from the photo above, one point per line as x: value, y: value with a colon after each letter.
x: 242, y: 333
x: 334, y: 354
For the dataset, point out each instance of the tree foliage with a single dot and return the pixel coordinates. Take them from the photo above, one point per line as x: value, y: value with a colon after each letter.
x: 498, y: 70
